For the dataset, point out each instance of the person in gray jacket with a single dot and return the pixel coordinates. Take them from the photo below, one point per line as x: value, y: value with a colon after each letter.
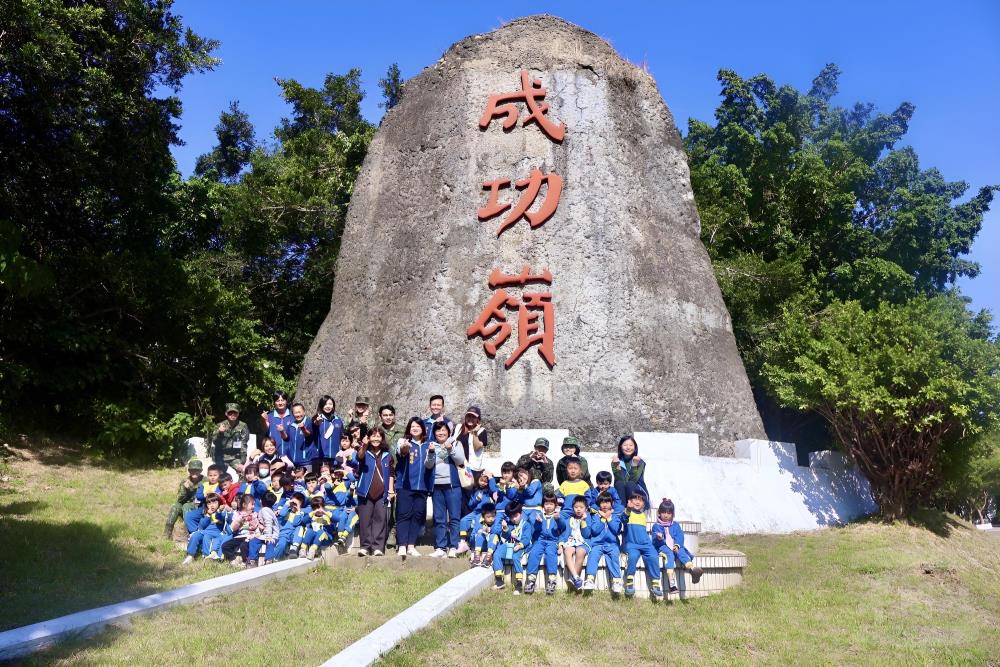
x: 447, y: 495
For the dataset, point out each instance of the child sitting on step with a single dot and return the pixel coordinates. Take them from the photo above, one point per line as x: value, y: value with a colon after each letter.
x: 546, y: 540
x: 601, y: 531
x: 603, y: 481
x: 637, y: 543
x: 483, y: 540
x: 574, y: 546
x: 512, y: 535
x: 469, y: 523
x: 317, y: 535
x: 668, y: 538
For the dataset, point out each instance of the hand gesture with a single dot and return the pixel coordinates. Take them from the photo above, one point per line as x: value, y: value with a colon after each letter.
x: 503, y: 524
x: 538, y: 518
x: 430, y: 447
x: 614, y: 460
x: 636, y: 460
x: 263, y: 415
x: 449, y: 444
x: 188, y: 485
x: 281, y: 428
x: 223, y: 428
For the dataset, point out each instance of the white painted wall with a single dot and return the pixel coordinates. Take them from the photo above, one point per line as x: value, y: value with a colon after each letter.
x: 761, y: 490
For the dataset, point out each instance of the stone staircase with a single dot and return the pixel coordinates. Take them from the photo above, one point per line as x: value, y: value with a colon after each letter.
x: 723, y: 568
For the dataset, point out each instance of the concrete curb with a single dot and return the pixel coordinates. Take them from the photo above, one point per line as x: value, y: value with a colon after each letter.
x: 28, y: 639
x: 380, y: 641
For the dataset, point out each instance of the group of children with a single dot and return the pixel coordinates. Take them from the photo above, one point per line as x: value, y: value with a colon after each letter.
x: 290, y: 505
x: 268, y: 515
x: 578, y: 524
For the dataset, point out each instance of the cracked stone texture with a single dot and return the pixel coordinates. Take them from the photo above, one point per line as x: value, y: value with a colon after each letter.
x: 643, y: 339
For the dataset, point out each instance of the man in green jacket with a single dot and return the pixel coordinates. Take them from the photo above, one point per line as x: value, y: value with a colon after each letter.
x: 185, y: 501
x: 229, y: 443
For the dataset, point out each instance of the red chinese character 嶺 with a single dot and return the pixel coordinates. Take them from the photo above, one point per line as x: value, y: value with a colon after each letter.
x: 532, y: 93
x: 530, y: 331
x: 531, y: 186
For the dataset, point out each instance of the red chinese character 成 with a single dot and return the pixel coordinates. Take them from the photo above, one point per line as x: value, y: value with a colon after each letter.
x: 531, y: 187
x: 532, y: 93
x: 530, y: 308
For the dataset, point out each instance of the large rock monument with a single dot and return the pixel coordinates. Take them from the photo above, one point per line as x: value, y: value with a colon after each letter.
x: 523, y: 236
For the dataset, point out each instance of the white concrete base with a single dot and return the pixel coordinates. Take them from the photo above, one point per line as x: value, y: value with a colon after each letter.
x: 31, y: 638
x: 761, y: 490
x: 380, y: 641
x: 984, y: 526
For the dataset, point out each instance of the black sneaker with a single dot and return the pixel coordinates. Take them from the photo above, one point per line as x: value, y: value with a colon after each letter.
x: 517, y: 587
x: 674, y: 589
x: 498, y: 582
x: 550, y: 587
x: 696, y: 573
x: 529, y: 587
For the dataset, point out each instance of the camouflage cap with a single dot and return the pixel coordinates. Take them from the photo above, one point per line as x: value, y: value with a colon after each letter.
x: 542, y: 442
x: 571, y: 440
x: 362, y: 400
x: 195, y: 464
x: 232, y: 407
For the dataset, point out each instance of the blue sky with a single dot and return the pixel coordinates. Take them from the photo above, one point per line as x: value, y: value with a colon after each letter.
x: 944, y: 59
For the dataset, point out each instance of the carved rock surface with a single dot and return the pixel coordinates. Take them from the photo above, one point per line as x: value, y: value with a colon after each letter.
x: 643, y: 339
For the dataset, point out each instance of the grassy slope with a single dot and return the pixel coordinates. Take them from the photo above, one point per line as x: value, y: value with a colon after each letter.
x: 75, y: 535
x: 863, y: 594
x: 302, y: 620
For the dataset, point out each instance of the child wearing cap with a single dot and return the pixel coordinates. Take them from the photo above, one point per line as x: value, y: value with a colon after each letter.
x: 571, y: 451
x: 668, y: 538
x: 185, y: 500
x: 538, y: 462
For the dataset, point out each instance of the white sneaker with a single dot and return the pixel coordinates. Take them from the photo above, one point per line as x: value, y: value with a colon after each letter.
x: 452, y: 553
x: 439, y: 553
x: 401, y: 552
x: 589, y: 585
x: 412, y: 552
x: 362, y: 552
x: 188, y: 560
x: 377, y: 552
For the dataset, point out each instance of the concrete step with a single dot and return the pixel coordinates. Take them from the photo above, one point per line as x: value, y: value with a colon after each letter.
x: 723, y: 568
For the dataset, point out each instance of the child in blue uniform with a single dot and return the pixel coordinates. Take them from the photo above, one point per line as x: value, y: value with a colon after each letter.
x: 500, y: 485
x: 668, y: 538
x: 291, y: 518
x: 636, y: 542
x: 527, y: 492
x: 514, y: 534
x: 210, y: 485
x: 574, y: 485
x: 469, y: 523
x: 603, y: 482
x: 546, y: 540
x: 601, y: 532
x: 206, y: 537
x: 317, y: 535
x: 483, y: 540
x: 338, y: 497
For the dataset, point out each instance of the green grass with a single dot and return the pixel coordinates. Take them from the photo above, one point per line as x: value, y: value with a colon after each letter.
x: 866, y: 594
x: 76, y: 535
x: 301, y: 620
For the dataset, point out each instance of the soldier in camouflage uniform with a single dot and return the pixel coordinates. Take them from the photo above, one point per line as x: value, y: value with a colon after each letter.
x: 229, y: 443
x: 362, y: 412
x: 185, y: 497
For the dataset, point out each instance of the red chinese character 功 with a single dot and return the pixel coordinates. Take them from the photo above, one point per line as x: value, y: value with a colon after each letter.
x: 532, y: 187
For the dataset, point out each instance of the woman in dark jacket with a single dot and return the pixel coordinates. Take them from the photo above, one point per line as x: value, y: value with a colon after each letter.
x: 629, y: 470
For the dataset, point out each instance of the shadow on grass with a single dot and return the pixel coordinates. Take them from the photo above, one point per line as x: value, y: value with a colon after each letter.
x: 22, y: 508
x: 54, y: 569
x: 936, y: 521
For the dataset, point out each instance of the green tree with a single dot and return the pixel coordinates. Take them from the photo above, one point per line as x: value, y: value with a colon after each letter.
x: 235, y: 136
x: 392, y: 87
x: 907, y: 389
x: 804, y: 203
x: 281, y: 222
